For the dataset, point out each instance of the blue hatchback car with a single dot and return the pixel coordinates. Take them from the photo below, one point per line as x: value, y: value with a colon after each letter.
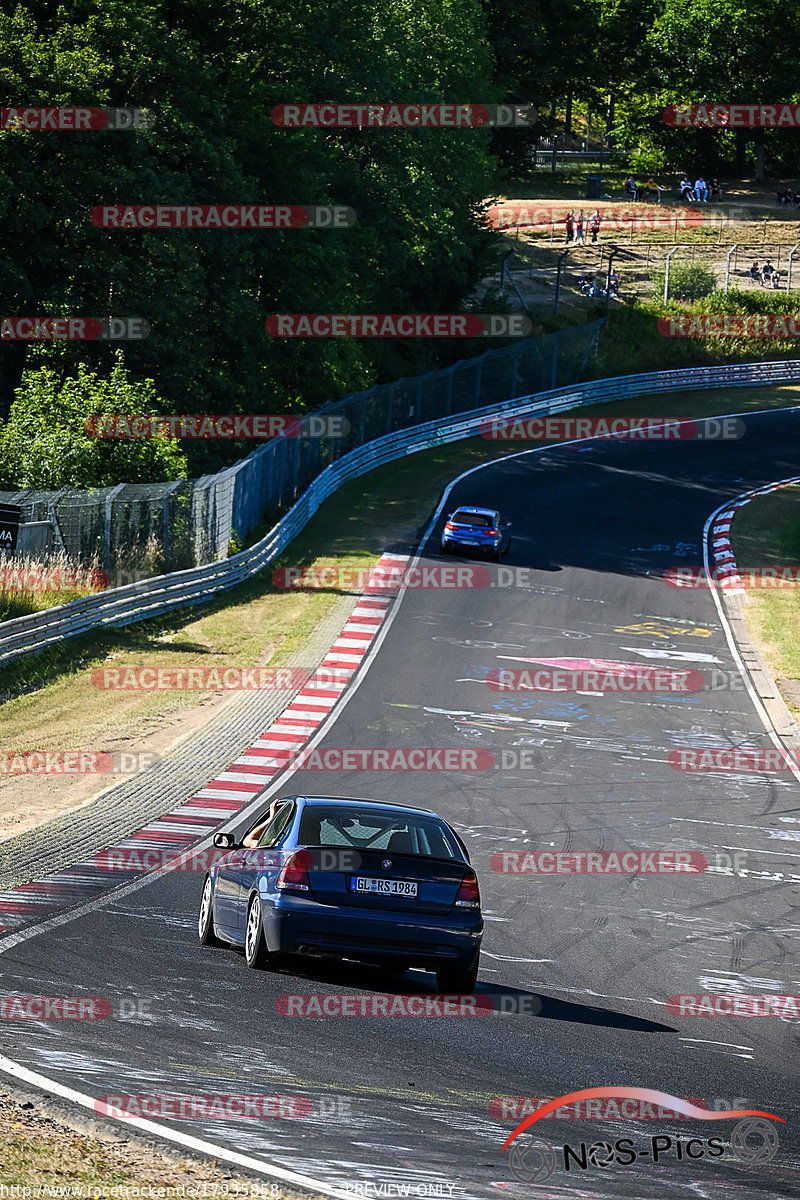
x: 350, y: 879
x: 477, y: 529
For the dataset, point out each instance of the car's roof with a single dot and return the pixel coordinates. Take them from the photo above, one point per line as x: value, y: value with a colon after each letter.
x: 471, y: 508
x: 361, y: 803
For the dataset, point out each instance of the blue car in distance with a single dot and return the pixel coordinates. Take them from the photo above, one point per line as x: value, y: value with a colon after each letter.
x: 349, y: 879
x: 477, y: 529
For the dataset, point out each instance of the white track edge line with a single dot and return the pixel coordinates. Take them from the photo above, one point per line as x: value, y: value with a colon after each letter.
x: 172, y: 1135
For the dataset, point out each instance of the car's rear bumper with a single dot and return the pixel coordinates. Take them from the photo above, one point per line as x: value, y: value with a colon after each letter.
x: 296, y: 925
x: 490, y: 545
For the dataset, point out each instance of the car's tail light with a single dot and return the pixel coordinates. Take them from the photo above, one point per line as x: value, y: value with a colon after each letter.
x: 293, y: 876
x: 492, y: 532
x: 450, y: 526
x: 468, y: 895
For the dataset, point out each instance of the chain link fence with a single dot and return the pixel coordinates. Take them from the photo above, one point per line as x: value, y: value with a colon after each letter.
x: 150, y: 528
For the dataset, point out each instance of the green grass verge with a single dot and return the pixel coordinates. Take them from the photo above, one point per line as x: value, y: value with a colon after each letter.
x: 766, y: 533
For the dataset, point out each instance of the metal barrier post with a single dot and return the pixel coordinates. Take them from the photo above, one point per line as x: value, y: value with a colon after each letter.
x: 115, y: 491
x: 791, y: 256
x: 666, y: 273
x: 728, y: 266
x: 168, y: 490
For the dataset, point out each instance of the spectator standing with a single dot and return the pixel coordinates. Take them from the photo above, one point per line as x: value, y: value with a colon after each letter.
x: 579, y: 237
x: 701, y: 189
x: 570, y: 225
x: 594, y: 225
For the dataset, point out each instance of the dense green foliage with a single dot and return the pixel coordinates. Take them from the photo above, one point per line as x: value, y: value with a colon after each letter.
x: 211, y: 74
x: 47, y: 442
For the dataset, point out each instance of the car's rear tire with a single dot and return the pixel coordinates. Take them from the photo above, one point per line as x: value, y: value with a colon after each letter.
x: 458, y: 980
x: 256, y: 954
x: 205, y: 921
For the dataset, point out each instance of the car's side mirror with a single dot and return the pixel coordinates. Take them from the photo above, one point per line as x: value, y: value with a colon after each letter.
x: 225, y: 841
x: 508, y: 524
x: 449, y: 517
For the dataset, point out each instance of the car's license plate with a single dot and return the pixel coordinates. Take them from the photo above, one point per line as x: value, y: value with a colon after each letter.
x: 470, y: 541
x: 383, y: 887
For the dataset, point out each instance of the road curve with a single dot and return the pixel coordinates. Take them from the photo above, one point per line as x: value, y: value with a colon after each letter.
x: 595, y: 958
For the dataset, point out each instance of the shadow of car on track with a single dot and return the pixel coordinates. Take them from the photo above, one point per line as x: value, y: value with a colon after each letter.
x: 510, y: 1001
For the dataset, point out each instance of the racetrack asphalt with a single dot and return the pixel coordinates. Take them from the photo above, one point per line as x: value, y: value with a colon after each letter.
x: 596, y: 957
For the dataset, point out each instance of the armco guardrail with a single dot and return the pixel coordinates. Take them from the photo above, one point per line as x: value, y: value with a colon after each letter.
x: 163, y: 593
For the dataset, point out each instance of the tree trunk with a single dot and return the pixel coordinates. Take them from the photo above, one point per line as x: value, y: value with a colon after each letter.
x: 760, y: 156
x: 609, y: 136
x: 741, y: 142
x: 568, y: 117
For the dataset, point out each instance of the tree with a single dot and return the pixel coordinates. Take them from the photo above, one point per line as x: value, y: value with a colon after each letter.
x: 45, y: 443
x: 729, y: 51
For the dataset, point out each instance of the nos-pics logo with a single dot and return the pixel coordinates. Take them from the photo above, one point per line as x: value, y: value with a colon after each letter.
x: 532, y: 1160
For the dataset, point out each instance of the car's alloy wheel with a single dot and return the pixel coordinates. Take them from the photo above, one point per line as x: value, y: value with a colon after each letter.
x: 255, y: 944
x: 458, y: 980
x: 205, y: 920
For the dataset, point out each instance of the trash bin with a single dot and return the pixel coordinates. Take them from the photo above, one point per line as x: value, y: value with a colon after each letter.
x: 594, y: 187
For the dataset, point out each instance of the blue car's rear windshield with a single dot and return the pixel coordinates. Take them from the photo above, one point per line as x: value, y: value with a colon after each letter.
x: 468, y: 518
x: 371, y: 829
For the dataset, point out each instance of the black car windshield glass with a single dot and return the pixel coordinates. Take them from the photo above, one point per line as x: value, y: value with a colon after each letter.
x: 368, y: 829
x: 478, y: 519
